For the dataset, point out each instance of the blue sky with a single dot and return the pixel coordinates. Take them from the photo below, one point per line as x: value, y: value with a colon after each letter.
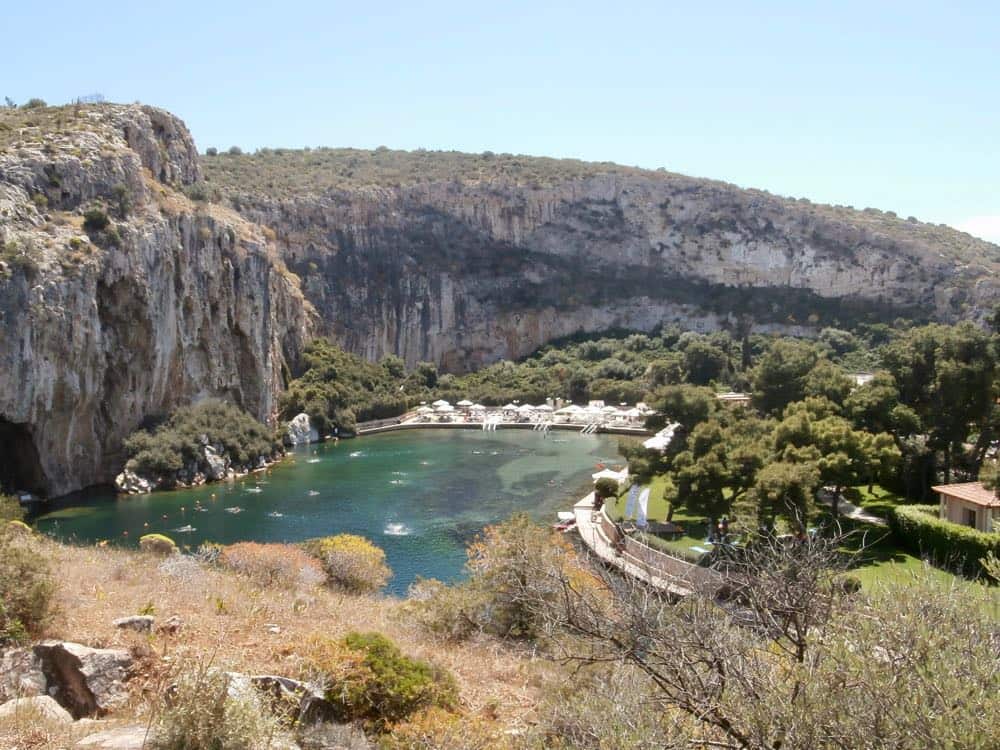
x: 888, y: 104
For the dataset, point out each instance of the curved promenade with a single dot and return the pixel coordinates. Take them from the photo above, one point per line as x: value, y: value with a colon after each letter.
x: 663, y: 572
x: 390, y: 425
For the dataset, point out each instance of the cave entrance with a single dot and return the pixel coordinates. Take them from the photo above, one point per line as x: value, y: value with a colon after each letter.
x: 20, y: 469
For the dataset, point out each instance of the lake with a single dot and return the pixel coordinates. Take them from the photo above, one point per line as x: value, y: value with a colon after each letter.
x: 421, y: 495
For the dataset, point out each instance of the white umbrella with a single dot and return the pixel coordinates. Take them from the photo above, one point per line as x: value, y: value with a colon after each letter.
x: 610, y: 409
x: 478, y: 407
x: 571, y: 409
x: 424, y: 410
x: 633, y: 412
x: 510, y: 407
x: 544, y: 407
x: 526, y: 408
x: 443, y: 408
x: 464, y: 402
x: 440, y: 402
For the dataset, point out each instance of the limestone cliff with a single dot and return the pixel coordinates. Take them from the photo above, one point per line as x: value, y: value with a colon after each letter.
x: 465, y: 259
x: 105, y: 327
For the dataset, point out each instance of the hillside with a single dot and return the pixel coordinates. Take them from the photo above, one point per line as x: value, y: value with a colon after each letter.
x: 468, y: 258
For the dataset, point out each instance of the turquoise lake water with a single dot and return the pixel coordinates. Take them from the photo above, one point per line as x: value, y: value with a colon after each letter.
x: 421, y: 495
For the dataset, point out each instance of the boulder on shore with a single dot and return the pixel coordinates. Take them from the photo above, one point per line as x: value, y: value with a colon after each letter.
x: 133, y: 484
x: 300, y: 431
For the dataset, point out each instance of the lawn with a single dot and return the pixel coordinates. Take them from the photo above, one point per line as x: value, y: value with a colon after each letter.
x: 695, y: 527
x: 879, y: 558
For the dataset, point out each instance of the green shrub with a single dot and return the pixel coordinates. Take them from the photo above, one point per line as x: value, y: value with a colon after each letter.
x: 351, y: 562
x: 203, y: 714
x: 947, y: 543
x: 157, y: 544
x: 367, y: 678
x: 179, y: 440
x: 34, y: 103
x: 95, y: 220
x: 605, y: 488
x: 26, y: 585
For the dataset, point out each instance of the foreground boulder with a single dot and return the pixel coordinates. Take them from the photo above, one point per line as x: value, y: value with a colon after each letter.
x: 36, y: 707
x: 87, y: 681
x: 20, y: 674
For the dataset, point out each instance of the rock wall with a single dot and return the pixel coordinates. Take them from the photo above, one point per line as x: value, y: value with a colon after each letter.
x: 103, y: 330
x: 465, y: 273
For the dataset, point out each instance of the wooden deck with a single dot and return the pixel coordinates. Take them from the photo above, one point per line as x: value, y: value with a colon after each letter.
x: 657, y: 569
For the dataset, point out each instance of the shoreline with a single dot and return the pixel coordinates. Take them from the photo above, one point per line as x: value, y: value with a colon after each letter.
x: 565, y: 426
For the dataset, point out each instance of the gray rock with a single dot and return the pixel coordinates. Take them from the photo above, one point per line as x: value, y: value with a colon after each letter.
x: 133, y: 484
x: 85, y: 680
x: 138, y: 623
x: 218, y: 464
x: 133, y: 737
x: 41, y: 706
x: 20, y: 674
x: 300, y: 431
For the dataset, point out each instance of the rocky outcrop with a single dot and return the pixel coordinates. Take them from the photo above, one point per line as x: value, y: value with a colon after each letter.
x: 20, y: 674
x: 87, y: 681
x: 105, y: 329
x: 463, y: 272
x: 299, y: 431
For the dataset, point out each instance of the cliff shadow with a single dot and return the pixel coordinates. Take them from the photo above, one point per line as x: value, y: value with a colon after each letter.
x: 20, y: 467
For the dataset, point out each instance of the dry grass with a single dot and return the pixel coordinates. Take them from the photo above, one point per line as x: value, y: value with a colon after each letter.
x: 228, y: 619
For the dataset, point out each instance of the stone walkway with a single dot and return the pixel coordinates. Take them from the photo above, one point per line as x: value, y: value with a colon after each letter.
x: 850, y: 510
x: 594, y: 538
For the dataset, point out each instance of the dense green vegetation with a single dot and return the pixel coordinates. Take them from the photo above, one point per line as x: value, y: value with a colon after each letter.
x: 958, y: 546
x: 338, y: 389
x: 179, y: 444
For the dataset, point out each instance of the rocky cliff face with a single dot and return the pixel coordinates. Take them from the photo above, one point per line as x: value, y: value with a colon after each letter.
x: 466, y: 272
x: 103, y: 329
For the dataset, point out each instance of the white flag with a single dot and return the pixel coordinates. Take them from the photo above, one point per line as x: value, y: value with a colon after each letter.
x: 633, y: 495
x: 640, y: 519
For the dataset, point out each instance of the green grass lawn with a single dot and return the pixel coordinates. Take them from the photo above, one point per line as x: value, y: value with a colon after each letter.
x: 695, y: 527
x: 879, y: 558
